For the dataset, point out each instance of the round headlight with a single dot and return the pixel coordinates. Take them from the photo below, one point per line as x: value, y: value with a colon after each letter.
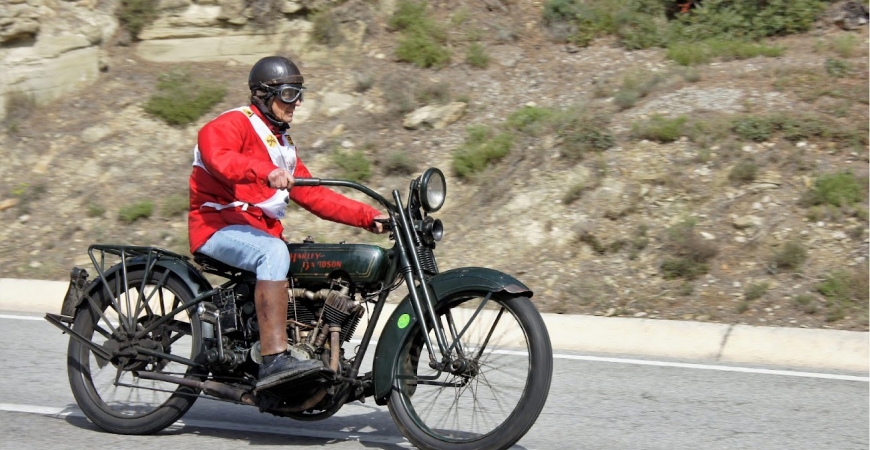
x: 433, y: 190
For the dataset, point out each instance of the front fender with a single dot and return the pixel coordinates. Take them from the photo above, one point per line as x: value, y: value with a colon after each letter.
x: 396, y: 331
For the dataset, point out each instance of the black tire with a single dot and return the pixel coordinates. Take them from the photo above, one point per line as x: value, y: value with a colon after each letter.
x: 488, y: 408
x: 134, y: 405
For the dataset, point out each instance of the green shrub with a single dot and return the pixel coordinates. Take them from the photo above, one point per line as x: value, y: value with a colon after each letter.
x: 691, y: 252
x: 93, y: 209
x: 753, y: 128
x: 845, y: 45
x: 134, y: 15
x: 838, y: 189
x: 745, y: 19
x: 175, y: 205
x: 422, y: 51
x: 529, y: 119
x: 638, y: 30
x: 659, y: 128
x: 136, y: 211
x: 19, y: 108
x: 479, y: 150
x: 845, y: 291
x: 574, y: 193
x: 790, y: 256
x: 423, y: 41
x: 476, y: 56
x: 743, y: 172
x: 432, y: 93
x: 755, y: 291
x: 353, y: 165
x: 325, y: 29
x: 702, y: 52
x: 686, y: 268
x: 582, y: 132
x: 837, y: 67
x: 625, y: 98
x: 398, y: 163
x: 181, y: 99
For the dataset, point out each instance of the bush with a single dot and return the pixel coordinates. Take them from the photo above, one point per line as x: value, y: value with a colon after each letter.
x: 839, y: 189
x: 529, y: 119
x: 422, y: 51
x: 790, y: 256
x: 691, y: 252
x: 753, y: 128
x: 398, y: 163
x: 19, y: 108
x: 353, y: 165
x: 181, y: 99
x: 686, y: 268
x: 837, y: 68
x: 743, y: 172
x: 175, y: 205
x: 423, y: 41
x: 325, y: 29
x: 659, y: 129
x: 582, y: 132
x: 745, y: 19
x: 574, y: 193
x: 476, y: 56
x: 136, y: 211
x: 134, y: 15
x: 755, y: 291
x: 845, y: 291
x: 695, y: 53
x: 479, y: 150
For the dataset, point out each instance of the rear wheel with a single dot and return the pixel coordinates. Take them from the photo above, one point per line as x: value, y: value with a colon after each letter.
x: 497, y: 388
x: 109, y: 390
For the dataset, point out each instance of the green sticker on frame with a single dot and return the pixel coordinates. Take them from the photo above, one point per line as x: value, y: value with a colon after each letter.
x: 404, y: 320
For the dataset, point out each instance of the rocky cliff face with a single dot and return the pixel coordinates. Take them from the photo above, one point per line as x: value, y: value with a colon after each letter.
x: 66, y: 175
x: 52, y: 47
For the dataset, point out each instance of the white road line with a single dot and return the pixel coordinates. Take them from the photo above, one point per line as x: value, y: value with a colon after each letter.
x: 641, y: 362
x: 219, y: 425
x: 9, y: 316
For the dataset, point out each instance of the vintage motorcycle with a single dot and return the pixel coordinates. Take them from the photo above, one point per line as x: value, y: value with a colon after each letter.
x: 464, y: 361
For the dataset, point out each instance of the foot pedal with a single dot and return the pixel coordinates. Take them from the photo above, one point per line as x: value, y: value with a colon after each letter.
x: 292, y: 379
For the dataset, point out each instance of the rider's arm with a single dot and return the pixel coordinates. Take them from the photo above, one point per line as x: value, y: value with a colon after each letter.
x: 330, y: 205
x: 228, y: 147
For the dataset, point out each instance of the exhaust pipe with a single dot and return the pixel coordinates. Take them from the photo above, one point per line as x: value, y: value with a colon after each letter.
x: 214, y: 388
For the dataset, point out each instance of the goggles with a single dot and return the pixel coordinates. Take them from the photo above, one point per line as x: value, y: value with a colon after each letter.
x: 287, y: 93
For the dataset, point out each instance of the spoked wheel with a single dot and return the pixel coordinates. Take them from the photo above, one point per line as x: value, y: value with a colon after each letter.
x: 497, y: 386
x: 110, y: 390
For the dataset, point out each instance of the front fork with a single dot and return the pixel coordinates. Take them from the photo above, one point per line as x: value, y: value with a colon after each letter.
x: 412, y: 271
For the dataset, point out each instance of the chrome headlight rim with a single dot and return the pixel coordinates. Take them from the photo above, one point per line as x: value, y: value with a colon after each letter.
x: 432, y: 189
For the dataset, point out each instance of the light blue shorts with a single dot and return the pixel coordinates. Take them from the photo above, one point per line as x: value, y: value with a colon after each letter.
x: 250, y: 249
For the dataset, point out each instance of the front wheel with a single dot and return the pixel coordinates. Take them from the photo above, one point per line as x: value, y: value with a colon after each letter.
x: 111, y: 392
x: 494, y: 394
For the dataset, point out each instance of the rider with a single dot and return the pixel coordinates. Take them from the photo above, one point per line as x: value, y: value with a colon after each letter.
x: 244, y: 168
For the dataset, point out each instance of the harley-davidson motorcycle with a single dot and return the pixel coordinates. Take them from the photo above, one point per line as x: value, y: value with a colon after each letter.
x: 464, y: 361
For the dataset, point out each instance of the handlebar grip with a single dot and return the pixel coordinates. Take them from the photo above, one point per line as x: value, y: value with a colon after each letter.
x: 306, y: 182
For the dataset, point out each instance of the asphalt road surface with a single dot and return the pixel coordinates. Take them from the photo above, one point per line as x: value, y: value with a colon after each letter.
x: 596, y: 402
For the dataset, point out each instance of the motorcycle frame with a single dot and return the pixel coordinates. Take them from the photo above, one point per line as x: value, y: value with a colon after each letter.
x: 423, y: 293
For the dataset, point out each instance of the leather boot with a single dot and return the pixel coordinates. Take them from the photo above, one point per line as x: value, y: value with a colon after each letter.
x: 271, y: 299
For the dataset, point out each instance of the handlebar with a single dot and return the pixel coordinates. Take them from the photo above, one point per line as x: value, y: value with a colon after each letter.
x: 306, y: 182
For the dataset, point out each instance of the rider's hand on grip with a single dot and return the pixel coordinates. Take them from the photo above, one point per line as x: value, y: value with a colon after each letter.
x: 280, y: 179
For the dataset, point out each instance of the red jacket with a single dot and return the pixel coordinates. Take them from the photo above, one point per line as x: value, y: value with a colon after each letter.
x: 238, y: 165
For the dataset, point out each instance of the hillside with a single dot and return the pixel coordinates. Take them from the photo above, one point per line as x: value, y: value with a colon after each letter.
x: 733, y: 191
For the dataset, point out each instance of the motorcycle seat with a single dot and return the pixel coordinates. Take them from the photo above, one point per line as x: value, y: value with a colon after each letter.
x: 214, y: 266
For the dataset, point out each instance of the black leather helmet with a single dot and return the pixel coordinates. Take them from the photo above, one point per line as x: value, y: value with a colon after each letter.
x: 272, y: 71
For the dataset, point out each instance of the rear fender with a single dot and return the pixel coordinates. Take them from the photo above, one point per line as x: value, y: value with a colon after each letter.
x: 187, y: 273
x: 397, y: 328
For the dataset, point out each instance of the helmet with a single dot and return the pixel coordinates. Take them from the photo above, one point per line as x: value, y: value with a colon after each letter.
x: 274, y: 70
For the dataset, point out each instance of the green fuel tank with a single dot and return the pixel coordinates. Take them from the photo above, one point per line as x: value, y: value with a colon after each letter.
x: 313, y: 263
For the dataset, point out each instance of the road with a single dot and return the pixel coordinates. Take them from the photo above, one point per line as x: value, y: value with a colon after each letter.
x: 596, y: 402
